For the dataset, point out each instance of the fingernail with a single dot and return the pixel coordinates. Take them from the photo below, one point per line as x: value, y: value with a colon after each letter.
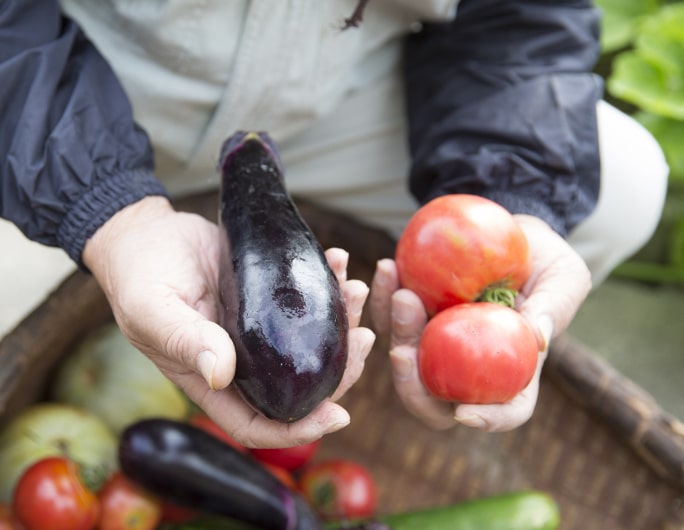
x: 401, y: 312
x: 402, y: 366
x: 545, y: 327
x: 368, y: 340
x: 384, y: 266
x: 362, y: 292
x: 472, y: 420
x: 206, y: 361
x: 341, y: 420
x: 344, y: 259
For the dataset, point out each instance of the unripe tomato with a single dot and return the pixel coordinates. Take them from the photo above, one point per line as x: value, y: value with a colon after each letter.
x: 462, y: 248
x: 51, y: 495
x: 477, y: 353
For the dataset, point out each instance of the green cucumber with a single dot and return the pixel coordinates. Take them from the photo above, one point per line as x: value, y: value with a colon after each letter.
x: 522, y: 510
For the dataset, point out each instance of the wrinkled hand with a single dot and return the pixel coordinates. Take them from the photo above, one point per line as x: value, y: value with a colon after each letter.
x: 558, y: 284
x: 159, y: 271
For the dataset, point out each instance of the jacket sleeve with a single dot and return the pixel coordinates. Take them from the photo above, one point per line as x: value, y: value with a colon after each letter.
x: 70, y: 153
x: 502, y: 103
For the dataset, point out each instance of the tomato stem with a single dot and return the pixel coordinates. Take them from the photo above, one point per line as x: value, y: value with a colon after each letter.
x: 499, y: 295
x: 93, y: 477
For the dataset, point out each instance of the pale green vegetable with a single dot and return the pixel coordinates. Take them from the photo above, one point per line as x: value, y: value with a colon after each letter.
x: 111, y: 378
x: 49, y: 429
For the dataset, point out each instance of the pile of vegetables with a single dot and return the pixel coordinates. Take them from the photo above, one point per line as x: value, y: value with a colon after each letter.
x: 76, y: 462
x: 59, y: 457
x: 168, y: 474
x: 466, y: 257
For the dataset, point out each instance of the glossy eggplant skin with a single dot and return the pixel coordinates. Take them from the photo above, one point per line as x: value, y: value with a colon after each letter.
x: 183, y: 464
x: 280, y: 301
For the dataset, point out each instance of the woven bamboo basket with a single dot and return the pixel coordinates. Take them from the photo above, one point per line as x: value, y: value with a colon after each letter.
x: 597, y: 443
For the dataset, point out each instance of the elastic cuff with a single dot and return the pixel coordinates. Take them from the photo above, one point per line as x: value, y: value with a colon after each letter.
x: 99, y: 204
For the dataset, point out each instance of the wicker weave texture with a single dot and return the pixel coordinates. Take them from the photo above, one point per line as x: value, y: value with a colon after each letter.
x: 596, y: 478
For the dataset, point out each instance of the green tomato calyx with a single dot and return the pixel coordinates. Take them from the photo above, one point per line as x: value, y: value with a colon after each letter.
x: 498, y: 294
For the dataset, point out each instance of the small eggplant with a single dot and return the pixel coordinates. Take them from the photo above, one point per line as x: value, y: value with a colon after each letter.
x: 183, y: 464
x: 280, y: 301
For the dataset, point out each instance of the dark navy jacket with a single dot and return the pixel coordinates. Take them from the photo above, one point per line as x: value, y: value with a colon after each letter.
x: 521, y: 131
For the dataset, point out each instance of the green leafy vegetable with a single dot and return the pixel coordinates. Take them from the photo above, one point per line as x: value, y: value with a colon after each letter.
x: 621, y: 19
x: 643, y: 41
x: 670, y: 135
x: 651, y: 75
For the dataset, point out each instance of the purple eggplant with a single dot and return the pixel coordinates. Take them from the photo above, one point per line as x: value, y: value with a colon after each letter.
x: 280, y: 301
x: 183, y: 464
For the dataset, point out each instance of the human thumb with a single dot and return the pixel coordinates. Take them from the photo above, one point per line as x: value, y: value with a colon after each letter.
x: 182, y: 335
x: 216, y: 358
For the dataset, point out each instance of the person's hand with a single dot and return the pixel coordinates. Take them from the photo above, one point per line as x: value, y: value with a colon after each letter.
x: 557, y: 286
x: 159, y: 271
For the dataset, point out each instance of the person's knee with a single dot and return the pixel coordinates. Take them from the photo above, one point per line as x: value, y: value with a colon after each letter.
x: 639, y: 163
x: 634, y: 181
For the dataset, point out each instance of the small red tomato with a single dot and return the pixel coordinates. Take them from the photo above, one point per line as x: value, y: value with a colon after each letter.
x: 205, y: 423
x: 339, y: 489
x: 462, y: 248
x: 126, y: 506
x: 6, y: 518
x: 51, y: 495
x: 477, y: 353
x: 290, y: 458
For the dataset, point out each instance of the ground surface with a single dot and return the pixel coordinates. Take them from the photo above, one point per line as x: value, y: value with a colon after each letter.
x: 639, y: 329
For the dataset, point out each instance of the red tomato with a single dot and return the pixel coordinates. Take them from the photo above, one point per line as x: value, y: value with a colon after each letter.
x: 290, y: 458
x: 50, y: 495
x: 462, y: 248
x: 339, y: 489
x: 205, y: 423
x: 477, y: 353
x: 126, y: 506
x: 6, y: 518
